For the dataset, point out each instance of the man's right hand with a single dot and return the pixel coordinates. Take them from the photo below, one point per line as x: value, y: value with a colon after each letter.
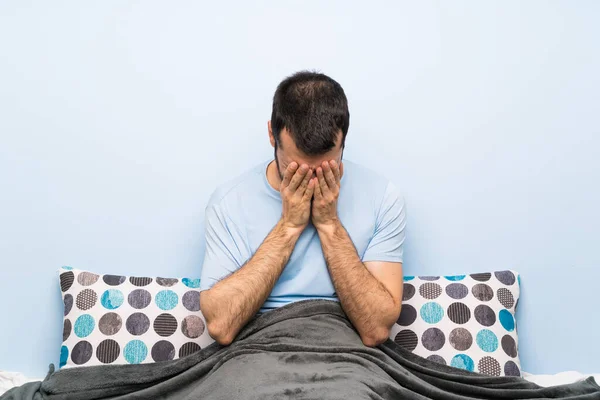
x: 296, y: 191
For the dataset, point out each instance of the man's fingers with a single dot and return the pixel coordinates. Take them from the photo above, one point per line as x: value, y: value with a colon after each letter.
x: 298, y: 177
x: 305, y: 181
x: 329, y: 176
x: 324, y: 188
x: 310, y: 189
x: 317, y: 189
x: 337, y: 171
x: 289, y: 172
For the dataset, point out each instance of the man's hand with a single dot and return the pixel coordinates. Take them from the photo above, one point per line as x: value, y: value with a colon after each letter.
x: 327, y: 190
x: 296, y: 191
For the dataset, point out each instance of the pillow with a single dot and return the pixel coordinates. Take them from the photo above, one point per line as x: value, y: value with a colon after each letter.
x: 465, y: 321
x: 112, y: 319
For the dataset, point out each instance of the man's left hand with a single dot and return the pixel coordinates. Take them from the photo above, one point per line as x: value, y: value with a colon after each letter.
x: 327, y: 189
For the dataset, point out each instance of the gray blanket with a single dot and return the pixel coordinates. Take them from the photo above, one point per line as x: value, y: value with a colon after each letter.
x: 306, y: 350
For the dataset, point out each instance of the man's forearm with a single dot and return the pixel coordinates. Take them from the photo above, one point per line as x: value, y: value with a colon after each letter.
x: 368, y: 304
x: 231, y: 302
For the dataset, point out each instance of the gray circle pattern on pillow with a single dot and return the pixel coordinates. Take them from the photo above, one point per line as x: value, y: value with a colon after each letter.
x: 108, y: 351
x: 464, y: 321
x: 116, y: 319
x: 430, y: 290
x: 408, y: 292
x: 407, y: 339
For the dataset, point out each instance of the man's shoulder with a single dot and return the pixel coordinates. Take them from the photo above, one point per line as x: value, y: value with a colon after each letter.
x: 372, y: 189
x: 236, y: 187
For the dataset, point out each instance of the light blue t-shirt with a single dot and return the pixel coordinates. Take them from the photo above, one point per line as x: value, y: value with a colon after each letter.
x: 241, y: 213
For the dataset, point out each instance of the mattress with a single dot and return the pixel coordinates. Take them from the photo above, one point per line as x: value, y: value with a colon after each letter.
x: 12, y: 379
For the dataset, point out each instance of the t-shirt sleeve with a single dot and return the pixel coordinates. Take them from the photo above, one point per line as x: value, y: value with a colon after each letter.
x: 222, y: 256
x: 387, y: 243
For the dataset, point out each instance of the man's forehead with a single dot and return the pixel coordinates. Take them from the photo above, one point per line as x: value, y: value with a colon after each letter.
x: 312, y: 161
x: 291, y: 153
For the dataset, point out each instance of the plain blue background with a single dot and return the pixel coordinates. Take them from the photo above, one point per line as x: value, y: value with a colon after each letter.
x: 118, y: 119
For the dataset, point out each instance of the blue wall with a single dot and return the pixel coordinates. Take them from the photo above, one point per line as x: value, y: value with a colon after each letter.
x: 118, y: 118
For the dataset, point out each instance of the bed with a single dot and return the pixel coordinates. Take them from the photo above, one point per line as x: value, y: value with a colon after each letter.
x: 187, y: 286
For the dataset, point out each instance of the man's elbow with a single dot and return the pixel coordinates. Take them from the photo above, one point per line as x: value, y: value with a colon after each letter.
x: 375, y: 337
x: 220, y: 335
x: 217, y: 328
x: 220, y: 331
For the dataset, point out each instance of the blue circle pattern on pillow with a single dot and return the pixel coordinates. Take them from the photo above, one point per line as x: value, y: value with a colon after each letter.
x: 432, y: 312
x: 191, y: 283
x: 507, y: 320
x: 84, y: 325
x: 463, y: 361
x: 487, y: 340
x: 135, y: 352
x: 64, y: 356
x: 455, y: 277
x: 408, y: 278
x: 166, y: 300
x: 112, y: 299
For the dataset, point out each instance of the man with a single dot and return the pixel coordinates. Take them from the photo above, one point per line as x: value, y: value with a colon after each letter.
x: 305, y: 225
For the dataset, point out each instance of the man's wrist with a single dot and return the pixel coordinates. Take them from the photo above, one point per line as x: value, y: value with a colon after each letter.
x: 288, y: 231
x: 328, y: 229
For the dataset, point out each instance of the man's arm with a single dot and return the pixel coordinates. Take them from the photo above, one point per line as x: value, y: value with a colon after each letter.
x: 372, y: 301
x: 231, y: 302
x: 370, y: 293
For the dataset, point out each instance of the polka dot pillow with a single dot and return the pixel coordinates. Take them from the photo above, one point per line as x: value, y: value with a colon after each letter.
x: 466, y: 321
x: 110, y: 319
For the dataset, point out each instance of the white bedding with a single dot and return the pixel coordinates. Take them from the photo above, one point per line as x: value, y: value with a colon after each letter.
x: 560, y: 378
x: 11, y: 379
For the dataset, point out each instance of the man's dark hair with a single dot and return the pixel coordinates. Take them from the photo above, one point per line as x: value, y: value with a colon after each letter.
x: 313, y: 108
